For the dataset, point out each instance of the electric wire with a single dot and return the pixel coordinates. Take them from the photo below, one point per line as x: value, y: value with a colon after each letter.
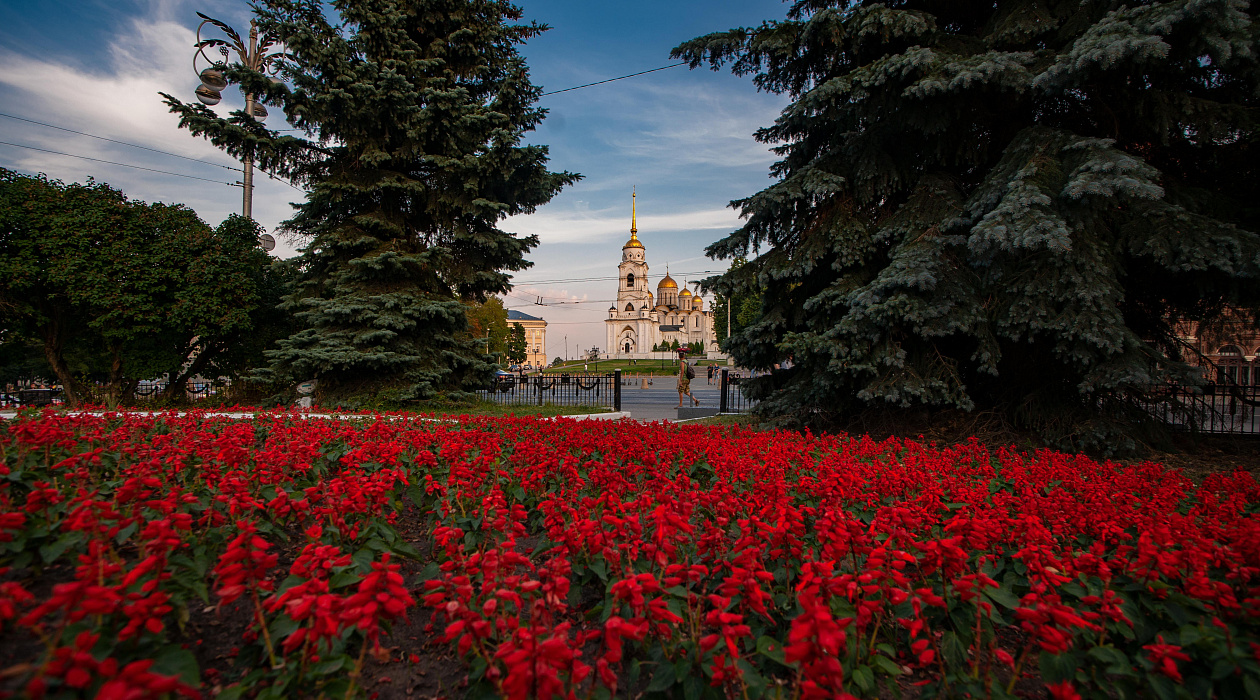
x: 136, y: 145
x: 609, y: 80
x: 125, y: 165
x: 606, y: 278
x: 124, y: 143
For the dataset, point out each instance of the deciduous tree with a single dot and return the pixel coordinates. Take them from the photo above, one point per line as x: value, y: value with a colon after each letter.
x: 517, y: 346
x: 132, y: 290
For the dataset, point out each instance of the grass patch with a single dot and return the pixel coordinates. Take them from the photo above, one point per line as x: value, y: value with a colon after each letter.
x: 740, y: 419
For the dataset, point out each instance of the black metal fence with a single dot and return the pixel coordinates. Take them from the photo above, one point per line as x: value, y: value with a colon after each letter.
x: 22, y: 398
x: 1223, y: 409
x: 599, y: 390
x: 193, y: 390
x: 144, y: 393
x: 732, y: 398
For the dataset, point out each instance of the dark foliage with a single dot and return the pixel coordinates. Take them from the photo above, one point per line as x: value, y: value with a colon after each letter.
x: 412, y: 116
x: 1002, y: 206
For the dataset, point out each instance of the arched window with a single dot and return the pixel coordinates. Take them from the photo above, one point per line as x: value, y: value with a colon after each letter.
x: 630, y: 280
x: 1232, y: 365
x: 630, y: 306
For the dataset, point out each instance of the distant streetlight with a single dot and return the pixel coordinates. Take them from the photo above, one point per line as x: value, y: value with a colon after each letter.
x: 254, y: 56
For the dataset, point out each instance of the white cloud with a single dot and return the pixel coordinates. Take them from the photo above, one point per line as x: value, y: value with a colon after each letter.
x: 553, y: 225
x: 118, y: 99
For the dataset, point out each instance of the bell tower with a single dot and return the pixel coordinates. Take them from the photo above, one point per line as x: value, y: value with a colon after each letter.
x: 630, y: 319
x: 632, y: 283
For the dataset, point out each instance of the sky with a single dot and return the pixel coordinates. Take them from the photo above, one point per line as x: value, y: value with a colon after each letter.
x: 682, y: 138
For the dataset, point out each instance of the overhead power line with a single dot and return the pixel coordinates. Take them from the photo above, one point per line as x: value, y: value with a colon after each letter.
x: 125, y: 165
x: 605, y: 278
x: 609, y: 80
x: 136, y: 145
x: 124, y: 143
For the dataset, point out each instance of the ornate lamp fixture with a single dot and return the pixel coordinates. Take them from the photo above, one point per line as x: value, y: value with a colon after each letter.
x: 257, y: 56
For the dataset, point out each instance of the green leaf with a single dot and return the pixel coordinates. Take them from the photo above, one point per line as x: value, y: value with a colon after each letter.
x: 1002, y: 597
x: 1056, y: 668
x: 954, y: 650
x: 772, y: 649
x: 283, y: 626
x: 1164, y: 687
x: 178, y: 661
x: 53, y: 550
x: 887, y: 665
x: 126, y: 533
x: 430, y: 572
x: 864, y: 677
x: 324, y: 668
x: 693, y: 687
x: 345, y: 578
x: 1252, y: 685
x: 663, y: 678
x: 1190, y: 634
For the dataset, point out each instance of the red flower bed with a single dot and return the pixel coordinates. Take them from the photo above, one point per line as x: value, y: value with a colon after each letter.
x: 562, y: 559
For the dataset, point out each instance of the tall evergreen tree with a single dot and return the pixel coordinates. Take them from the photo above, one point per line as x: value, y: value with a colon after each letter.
x: 413, y: 114
x: 994, y: 205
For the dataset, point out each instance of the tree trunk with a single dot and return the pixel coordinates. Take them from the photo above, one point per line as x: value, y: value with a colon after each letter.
x: 113, y: 394
x: 53, y: 343
x: 180, y: 379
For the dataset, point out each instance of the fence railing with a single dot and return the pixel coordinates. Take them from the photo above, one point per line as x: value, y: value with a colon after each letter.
x: 193, y: 390
x: 1223, y: 409
x: 580, y: 389
x: 22, y: 398
x: 145, y: 392
x: 731, y: 398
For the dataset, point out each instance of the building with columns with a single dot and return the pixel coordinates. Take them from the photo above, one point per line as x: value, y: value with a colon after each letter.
x: 640, y: 320
x: 535, y: 336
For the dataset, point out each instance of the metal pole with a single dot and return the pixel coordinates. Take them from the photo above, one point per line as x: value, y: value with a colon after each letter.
x: 617, y: 390
x: 723, y: 393
x: 247, y: 207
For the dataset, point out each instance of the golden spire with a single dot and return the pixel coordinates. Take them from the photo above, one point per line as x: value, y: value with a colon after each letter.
x: 634, y: 224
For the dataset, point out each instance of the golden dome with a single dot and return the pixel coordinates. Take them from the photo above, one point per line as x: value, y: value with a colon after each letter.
x: 667, y: 283
x: 632, y: 243
x: 684, y: 293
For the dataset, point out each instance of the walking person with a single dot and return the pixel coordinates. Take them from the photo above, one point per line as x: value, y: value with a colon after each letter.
x: 685, y: 373
x: 710, y: 374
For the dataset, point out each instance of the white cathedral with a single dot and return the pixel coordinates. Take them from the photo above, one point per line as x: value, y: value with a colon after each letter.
x: 638, y: 322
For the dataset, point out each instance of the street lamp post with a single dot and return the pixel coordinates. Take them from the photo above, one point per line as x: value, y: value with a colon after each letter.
x: 253, y: 55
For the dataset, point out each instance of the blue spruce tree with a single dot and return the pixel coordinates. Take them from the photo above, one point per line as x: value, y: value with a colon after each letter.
x: 997, y: 206
x: 412, y: 115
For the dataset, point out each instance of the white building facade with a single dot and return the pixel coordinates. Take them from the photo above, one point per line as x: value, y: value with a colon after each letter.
x: 639, y: 321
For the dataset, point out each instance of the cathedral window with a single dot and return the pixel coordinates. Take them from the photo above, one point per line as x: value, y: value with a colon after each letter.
x: 630, y: 306
x: 630, y: 280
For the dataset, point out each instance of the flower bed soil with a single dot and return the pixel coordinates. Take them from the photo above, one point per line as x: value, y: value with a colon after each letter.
x: 143, y: 556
